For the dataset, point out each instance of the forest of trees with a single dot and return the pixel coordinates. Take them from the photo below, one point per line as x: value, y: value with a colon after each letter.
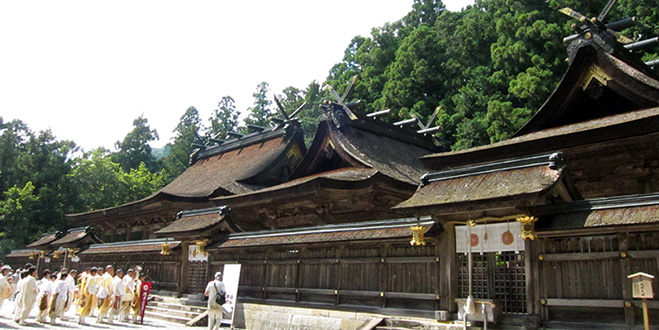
x: 489, y: 67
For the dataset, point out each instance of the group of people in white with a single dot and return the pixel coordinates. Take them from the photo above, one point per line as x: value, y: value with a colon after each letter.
x: 97, y: 292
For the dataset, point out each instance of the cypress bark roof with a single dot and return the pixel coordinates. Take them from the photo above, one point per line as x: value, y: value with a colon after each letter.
x: 76, y: 237
x: 492, y: 185
x: 365, y: 143
x: 394, y: 228
x: 601, y: 97
x: 610, y: 211
x: 152, y: 245
x: 45, y: 240
x: 195, y: 223
x: 237, y: 166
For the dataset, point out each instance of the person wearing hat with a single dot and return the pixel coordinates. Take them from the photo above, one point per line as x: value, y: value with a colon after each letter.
x: 5, y: 287
x: 214, y: 288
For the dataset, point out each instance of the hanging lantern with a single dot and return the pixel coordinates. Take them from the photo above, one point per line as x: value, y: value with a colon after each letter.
x: 528, y: 227
x: 42, y: 254
x: 57, y: 254
x: 164, y: 249
x: 417, y: 235
x: 202, y: 246
x: 70, y: 253
x: 32, y: 255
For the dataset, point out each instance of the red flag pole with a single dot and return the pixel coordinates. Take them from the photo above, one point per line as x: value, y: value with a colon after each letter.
x: 145, y: 289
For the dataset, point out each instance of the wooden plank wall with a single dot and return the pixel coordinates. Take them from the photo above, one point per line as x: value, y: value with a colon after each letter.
x: 163, y: 271
x: 584, y: 279
x: 391, y: 275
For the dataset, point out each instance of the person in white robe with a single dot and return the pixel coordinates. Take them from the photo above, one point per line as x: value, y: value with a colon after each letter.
x: 28, y: 295
x: 126, y: 300
x: 71, y: 285
x: 6, y: 289
x: 118, y: 290
x: 59, y: 298
x: 43, y: 297
x: 105, y: 293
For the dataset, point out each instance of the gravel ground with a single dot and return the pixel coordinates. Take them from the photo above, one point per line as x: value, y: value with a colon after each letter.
x: 7, y: 322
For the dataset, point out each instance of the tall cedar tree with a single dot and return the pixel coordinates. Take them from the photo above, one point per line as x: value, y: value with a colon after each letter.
x: 187, y: 132
x: 224, y: 119
x: 261, y: 112
x: 135, y: 148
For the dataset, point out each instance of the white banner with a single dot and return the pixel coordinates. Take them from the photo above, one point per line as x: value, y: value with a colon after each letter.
x: 496, y: 237
x: 195, y: 255
x: 230, y: 278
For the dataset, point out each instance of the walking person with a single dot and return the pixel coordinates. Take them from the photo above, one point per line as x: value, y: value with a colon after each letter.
x: 28, y: 294
x: 6, y: 289
x: 136, y: 304
x: 89, y: 286
x: 71, y: 286
x: 213, y: 289
x: 60, y: 296
x: 43, y: 297
x: 118, y: 291
x: 126, y: 299
x: 105, y: 293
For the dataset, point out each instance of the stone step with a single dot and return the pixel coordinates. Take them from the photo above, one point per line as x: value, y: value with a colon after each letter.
x: 397, y: 324
x: 180, y: 307
x: 186, y: 314
x: 166, y: 316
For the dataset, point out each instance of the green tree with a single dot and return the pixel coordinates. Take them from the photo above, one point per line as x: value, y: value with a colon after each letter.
x: 224, y: 119
x: 187, y: 132
x: 135, y: 148
x: 17, y: 210
x: 100, y: 183
x: 260, y: 113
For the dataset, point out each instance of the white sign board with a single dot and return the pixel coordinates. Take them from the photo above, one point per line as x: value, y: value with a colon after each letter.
x: 496, y: 237
x: 642, y: 288
x: 231, y: 279
x: 195, y: 255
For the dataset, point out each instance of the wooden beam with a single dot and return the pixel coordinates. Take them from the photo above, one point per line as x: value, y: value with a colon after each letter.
x: 580, y: 256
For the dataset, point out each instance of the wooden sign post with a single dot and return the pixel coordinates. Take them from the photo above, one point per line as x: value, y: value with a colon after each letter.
x: 642, y: 289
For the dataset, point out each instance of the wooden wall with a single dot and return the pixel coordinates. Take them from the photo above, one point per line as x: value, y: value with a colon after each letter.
x: 369, y: 276
x: 584, y: 279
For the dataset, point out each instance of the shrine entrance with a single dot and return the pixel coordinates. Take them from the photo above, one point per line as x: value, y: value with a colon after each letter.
x: 498, y: 269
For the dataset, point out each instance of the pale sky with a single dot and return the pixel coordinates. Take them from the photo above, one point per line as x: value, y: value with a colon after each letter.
x: 86, y: 69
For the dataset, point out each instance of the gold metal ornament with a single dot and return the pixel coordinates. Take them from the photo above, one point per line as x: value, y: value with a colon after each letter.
x: 32, y: 255
x: 70, y: 253
x: 164, y: 249
x: 528, y: 227
x: 201, y: 244
x: 42, y: 254
x: 57, y: 254
x: 417, y: 235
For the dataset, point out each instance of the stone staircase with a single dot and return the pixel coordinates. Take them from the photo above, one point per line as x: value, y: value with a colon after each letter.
x: 185, y: 310
x: 416, y: 324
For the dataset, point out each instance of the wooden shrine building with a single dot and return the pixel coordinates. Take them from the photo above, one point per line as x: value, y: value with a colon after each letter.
x: 376, y: 218
x: 579, y: 181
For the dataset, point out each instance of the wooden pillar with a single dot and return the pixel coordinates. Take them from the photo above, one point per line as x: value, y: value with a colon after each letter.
x: 183, y: 278
x: 626, y: 269
x: 448, y: 269
x: 532, y: 280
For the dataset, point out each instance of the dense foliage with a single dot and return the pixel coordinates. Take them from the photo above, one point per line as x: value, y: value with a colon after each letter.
x: 489, y: 67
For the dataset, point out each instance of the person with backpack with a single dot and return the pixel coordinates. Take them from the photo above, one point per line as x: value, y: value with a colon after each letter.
x: 216, y: 294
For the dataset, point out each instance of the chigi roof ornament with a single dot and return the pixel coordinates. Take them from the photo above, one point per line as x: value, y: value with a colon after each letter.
x: 606, y: 35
